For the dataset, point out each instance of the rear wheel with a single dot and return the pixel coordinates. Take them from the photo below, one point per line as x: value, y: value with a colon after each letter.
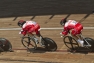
x: 5, y: 45
x: 28, y: 43
x: 91, y: 42
x: 50, y: 45
x: 71, y: 43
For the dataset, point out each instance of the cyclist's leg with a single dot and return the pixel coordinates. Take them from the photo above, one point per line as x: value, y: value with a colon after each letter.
x: 76, y: 33
x: 78, y: 40
x: 33, y: 37
x: 79, y: 36
x: 30, y: 31
x: 37, y: 27
x: 78, y: 29
x: 37, y: 30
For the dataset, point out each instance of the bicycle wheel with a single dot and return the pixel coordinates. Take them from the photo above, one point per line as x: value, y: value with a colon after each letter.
x: 8, y: 46
x: 5, y: 45
x: 71, y: 43
x: 1, y: 46
x: 28, y: 43
x: 90, y: 41
x: 50, y: 45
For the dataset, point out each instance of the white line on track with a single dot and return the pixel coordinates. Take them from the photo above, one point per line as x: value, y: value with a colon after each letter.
x: 42, y: 28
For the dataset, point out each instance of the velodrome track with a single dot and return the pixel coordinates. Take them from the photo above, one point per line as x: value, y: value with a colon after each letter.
x: 49, y: 28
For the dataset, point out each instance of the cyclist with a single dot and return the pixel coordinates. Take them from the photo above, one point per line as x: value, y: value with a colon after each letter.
x: 75, y: 29
x: 29, y: 27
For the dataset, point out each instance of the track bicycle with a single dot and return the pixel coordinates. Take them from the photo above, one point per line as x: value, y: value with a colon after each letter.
x: 33, y: 42
x: 72, y: 43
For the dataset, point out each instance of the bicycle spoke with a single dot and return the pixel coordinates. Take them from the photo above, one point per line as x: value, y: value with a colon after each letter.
x: 67, y: 42
x: 75, y: 44
x: 70, y: 42
x: 28, y: 44
x: 32, y: 45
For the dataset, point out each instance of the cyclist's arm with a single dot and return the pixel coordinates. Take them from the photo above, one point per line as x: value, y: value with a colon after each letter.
x: 23, y: 32
x: 65, y: 31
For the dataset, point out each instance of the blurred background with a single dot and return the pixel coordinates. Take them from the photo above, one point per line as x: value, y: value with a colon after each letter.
x: 15, y: 8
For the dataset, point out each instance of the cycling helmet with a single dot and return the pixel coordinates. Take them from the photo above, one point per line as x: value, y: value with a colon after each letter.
x: 21, y: 22
x: 63, y: 21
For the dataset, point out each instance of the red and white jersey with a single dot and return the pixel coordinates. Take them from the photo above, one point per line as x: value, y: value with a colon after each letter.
x: 70, y: 24
x: 29, y: 23
x: 28, y: 27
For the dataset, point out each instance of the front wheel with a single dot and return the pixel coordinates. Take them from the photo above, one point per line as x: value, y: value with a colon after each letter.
x: 71, y: 43
x: 28, y: 43
x: 50, y: 45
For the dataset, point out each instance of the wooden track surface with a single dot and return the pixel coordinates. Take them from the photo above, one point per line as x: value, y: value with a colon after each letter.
x: 20, y: 54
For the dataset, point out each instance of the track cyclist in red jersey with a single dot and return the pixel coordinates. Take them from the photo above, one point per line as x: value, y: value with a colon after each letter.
x: 34, y: 38
x: 74, y: 28
x: 29, y: 27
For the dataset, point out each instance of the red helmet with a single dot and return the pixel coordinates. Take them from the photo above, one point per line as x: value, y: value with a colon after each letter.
x: 21, y: 22
x: 63, y: 21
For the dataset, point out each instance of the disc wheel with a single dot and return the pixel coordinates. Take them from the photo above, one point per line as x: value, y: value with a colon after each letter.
x: 5, y: 45
x: 50, y: 45
x: 91, y: 42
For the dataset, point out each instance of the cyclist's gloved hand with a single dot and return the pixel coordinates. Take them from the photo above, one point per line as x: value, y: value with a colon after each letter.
x: 62, y: 34
x: 19, y: 32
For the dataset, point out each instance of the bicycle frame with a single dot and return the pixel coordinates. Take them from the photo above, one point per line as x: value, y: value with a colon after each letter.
x: 88, y: 45
x: 85, y: 40
x: 40, y: 40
